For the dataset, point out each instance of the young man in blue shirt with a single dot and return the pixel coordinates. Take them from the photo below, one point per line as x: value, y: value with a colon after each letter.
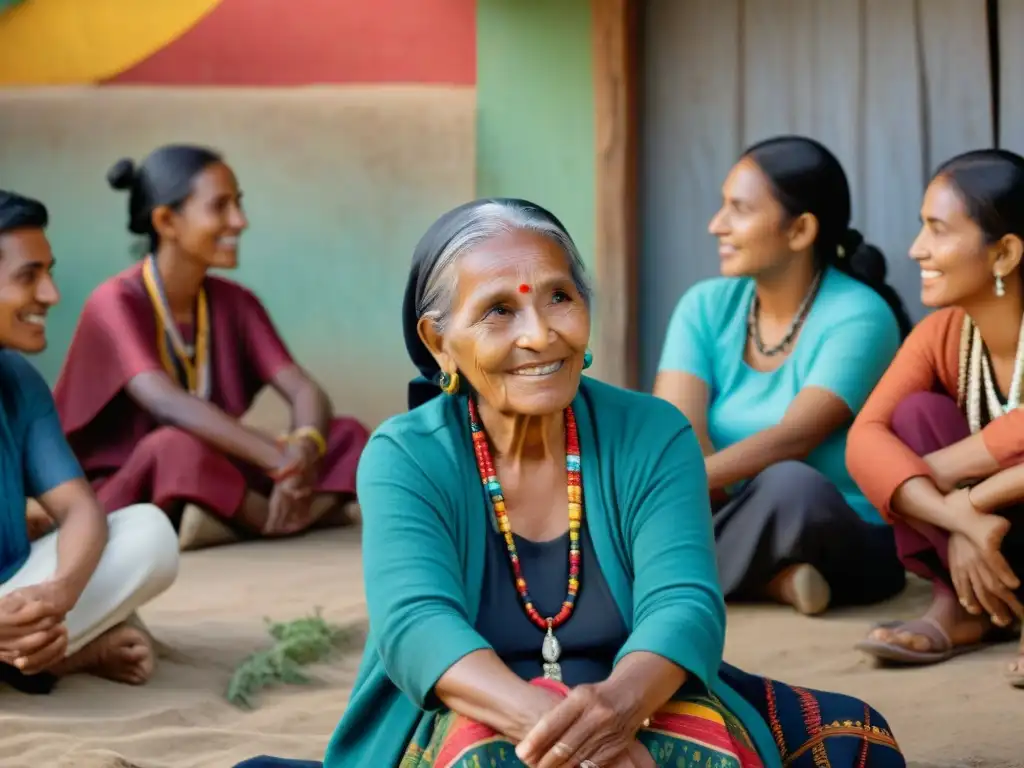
x: 66, y: 598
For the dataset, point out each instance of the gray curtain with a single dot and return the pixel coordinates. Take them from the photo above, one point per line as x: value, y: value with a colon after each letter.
x: 893, y: 87
x: 1011, y: 72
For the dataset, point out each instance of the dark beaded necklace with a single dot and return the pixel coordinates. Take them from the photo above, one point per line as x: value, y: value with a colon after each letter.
x: 754, y: 323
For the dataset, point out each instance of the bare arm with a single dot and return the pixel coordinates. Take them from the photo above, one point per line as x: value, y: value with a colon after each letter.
x: 482, y: 688
x: 310, y: 405
x: 925, y: 499
x: 814, y: 414
x: 169, y: 404
x: 641, y: 683
x: 82, y: 535
x: 966, y: 460
x: 690, y: 395
x: 919, y: 499
x: 1000, y: 490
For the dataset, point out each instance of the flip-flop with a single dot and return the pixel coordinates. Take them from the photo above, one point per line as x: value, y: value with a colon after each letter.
x: 942, y: 646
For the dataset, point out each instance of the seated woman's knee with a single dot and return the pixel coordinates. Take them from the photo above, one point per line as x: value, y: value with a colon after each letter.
x: 919, y: 406
x: 164, y: 440
x: 792, y: 478
x: 801, y: 490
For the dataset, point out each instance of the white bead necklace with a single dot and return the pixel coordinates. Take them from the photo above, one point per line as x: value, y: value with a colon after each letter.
x: 980, y: 375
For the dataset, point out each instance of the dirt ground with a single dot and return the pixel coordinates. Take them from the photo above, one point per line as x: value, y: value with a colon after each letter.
x: 959, y: 714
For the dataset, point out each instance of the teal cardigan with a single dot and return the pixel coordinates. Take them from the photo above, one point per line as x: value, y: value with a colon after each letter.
x: 425, y: 519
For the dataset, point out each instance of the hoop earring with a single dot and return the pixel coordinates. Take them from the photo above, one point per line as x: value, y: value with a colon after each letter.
x: 1000, y: 288
x: 588, y: 359
x: 449, y: 382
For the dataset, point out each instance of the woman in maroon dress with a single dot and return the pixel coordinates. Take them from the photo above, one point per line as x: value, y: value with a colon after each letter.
x: 167, y: 358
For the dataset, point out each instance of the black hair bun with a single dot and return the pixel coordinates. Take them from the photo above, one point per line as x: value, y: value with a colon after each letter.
x: 863, y: 259
x: 121, y: 174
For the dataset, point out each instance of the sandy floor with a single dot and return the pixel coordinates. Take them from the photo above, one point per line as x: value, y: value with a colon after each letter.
x: 960, y: 714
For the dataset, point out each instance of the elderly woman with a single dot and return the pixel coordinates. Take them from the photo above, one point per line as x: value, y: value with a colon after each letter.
x: 538, y: 552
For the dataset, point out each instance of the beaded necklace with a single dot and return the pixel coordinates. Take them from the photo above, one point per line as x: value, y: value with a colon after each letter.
x: 190, y: 365
x: 551, y: 649
x: 975, y: 373
x: 754, y: 321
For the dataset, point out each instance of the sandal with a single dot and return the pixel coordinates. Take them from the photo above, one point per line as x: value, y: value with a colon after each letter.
x: 942, y: 647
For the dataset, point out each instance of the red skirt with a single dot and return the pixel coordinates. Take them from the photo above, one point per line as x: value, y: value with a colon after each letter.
x: 170, y: 466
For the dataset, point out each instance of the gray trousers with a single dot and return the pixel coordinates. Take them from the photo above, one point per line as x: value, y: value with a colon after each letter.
x: 791, y: 513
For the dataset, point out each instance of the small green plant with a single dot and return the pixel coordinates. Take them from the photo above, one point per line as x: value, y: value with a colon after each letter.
x: 296, y: 644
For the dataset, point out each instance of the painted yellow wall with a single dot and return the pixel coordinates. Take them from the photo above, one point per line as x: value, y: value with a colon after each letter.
x: 57, y: 42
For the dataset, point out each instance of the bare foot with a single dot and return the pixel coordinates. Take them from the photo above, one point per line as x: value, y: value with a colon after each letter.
x: 803, y: 587
x: 961, y: 627
x: 123, y: 654
x: 199, y: 529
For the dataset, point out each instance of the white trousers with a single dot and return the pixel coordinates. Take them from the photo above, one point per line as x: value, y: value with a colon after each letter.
x: 139, y: 562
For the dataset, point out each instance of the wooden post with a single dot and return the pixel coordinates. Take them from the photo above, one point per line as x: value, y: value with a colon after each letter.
x: 616, y: 75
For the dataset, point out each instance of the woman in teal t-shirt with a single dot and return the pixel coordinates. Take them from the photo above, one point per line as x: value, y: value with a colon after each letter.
x: 770, y: 363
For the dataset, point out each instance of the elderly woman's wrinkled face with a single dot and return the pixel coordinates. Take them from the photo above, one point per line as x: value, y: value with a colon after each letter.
x: 519, y: 327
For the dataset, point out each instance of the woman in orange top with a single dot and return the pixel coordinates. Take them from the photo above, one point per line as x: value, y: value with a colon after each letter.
x: 939, y: 445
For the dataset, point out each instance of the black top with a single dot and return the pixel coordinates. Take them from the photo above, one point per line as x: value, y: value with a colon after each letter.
x: 591, y: 637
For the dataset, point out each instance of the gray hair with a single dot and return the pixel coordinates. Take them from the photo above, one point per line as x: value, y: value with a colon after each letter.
x: 490, y: 220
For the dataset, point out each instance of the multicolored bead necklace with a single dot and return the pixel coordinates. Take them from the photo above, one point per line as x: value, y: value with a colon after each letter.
x: 551, y: 649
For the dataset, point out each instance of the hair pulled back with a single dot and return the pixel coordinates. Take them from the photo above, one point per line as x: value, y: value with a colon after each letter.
x: 807, y: 178
x: 990, y: 182
x: 165, y: 177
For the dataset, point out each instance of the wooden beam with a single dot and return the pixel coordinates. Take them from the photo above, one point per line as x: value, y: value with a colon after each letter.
x: 616, y: 76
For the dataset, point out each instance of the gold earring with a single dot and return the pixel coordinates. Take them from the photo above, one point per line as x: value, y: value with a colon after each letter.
x: 449, y: 382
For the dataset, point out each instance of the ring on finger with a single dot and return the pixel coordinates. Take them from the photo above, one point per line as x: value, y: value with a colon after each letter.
x: 589, y: 764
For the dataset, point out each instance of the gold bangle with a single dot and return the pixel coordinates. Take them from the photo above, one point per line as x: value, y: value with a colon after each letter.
x: 310, y: 433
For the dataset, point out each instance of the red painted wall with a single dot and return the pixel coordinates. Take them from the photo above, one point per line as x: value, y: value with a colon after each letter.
x: 304, y: 42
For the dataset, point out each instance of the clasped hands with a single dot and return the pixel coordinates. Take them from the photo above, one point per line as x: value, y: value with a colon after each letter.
x: 292, y: 496
x: 981, y: 575
x: 33, y: 636
x: 582, y: 729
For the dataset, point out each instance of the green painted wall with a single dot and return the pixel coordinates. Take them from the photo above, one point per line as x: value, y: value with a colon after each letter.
x: 340, y: 182
x: 535, y: 108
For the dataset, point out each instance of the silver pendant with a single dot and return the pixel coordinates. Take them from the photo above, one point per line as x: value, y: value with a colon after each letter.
x: 550, y: 651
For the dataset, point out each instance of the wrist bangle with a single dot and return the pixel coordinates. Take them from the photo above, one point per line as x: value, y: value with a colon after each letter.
x: 309, y: 433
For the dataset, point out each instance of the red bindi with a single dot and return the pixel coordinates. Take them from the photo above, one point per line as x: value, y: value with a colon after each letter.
x: 524, y: 288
